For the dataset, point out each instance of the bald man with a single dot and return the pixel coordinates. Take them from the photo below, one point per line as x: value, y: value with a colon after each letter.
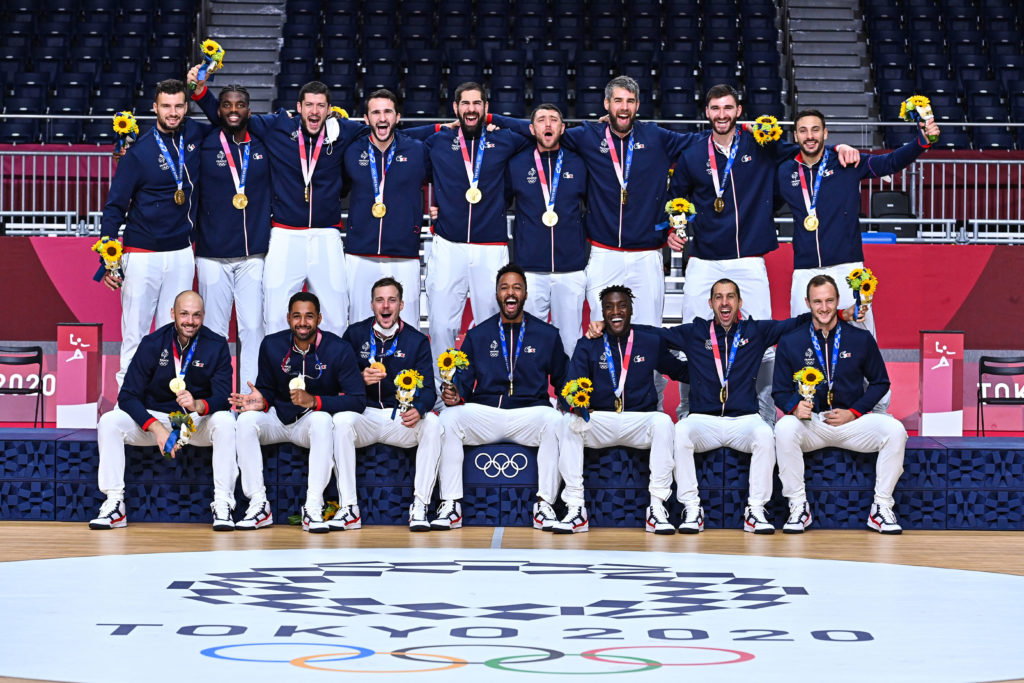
x: 181, y: 367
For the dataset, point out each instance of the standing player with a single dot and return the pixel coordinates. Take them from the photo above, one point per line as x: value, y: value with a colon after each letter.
x: 387, y: 171
x: 306, y: 376
x: 549, y: 184
x: 385, y: 346
x: 503, y: 396
x: 152, y: 194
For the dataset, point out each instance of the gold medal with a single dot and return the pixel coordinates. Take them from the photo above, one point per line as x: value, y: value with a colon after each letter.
x: 474, y: 195
x: 297, y: 383
x: 510, y: 388
x: 723, y: 395
x: 377, y: 365
x: 811, y: 223
x: 179, y: 197
x: 550, y: 218
x: 623, y: 196
x: 240, y: 201
x: 177, y: 385
x: 829, y: 398
x: 719, y: 205
x: 378, y: 209
x: 307, y: 194
x: 618, y: 404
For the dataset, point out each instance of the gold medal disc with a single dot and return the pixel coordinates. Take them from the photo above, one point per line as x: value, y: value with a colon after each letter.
x: 378, y: 210
x: 723, y: 395
x: 550, y: 218
x: 177, y: 385
x: 618, y: 405
x: 624, y: 196
x: 179, y: 197
x: 719, y: 205
x: 474, y: 195
x: 811, y: 223
x: 240, y: 201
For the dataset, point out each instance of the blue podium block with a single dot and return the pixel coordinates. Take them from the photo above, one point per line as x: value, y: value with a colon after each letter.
x: 27, y: 459
x: 985, y: 468
x: 980, y: 509
x: 500, y: 464
x: 31, y: 499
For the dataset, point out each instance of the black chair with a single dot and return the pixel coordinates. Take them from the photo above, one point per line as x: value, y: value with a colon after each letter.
x: 25, y: 355
x: 999, y: 366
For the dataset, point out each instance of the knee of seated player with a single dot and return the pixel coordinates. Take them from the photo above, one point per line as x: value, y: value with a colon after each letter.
x: 321, y: 424
x: 344, y: 423
x: 893, y: 430
x: 787, y: 429
x: 763, y: 434
x: 221, y: 420
x: 249, y: 420
x: 429, y: 424
x: 683, y: 436
x: 552, y: 421
x: 661, y: 423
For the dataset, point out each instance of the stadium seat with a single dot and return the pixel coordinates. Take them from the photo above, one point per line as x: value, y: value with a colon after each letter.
x: 63, y: 131
x: 19, y: 131
x: 993, y: 138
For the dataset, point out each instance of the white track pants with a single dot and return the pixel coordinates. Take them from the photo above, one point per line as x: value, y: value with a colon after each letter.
x: 374, y: 425
x: 364, y: 271
x: 224, y: 282
x: 314, y: 431
x: 867, y: 434
x: 314, y: 256
x: 747, y: 433
x: 455, y: 270
x: 641, y: 271
x: 472, y: 424
x: 117, y: 428
x: 562, y: 295
x: 652, y: 430
x: 151, y: 281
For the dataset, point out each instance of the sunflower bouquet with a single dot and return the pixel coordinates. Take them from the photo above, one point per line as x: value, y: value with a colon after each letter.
x: 766, y: 129
x: 127, y: 129
x: 110, y: 251
x: 864, y: 285
x: 577, y: 394
x: 407, y: 385
x: 807, y: 378
x: 917, y: 108
x: 213, y: 59
x: 450, y: 361
x: 679, y: 210
x: 182, y: 429
x: 339, y: 112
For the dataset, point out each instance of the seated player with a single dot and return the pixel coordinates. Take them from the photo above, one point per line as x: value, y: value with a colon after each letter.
x: 306, y: 375
x: 384, y: 347
x: 181, y: 367
x: 623, y: 407
x: 503, y: 396
x: 835, y: 411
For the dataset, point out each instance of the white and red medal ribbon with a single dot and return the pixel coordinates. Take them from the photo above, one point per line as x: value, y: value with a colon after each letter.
x: 309, y: 165
x: 239, y: 181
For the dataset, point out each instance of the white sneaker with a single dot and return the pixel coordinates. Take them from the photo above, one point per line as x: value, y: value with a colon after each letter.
x: 576, y: 521
x: 692, y: 521
x: 755, y: 522
x: 449, y: 516
x: 657, y: 519
x: 418, y: 517
x: 111, y: 516
x: 883, y: 520
x: 222, y: 520
x: 313, y: 520
x: 799, y: 518
x: 544, y: 516
x: 257, y: 515
x: 345, y: 519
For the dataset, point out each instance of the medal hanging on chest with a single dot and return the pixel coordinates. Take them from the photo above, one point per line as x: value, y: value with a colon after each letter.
x: 811, y: 197
x: 307, y: 162
x: 713, y: 162
x: 177, y: 170
x: 379, y: 209
x: 621, y: 170
x: 239, y: 200
x: 510, y: 363
x: 618, y: 383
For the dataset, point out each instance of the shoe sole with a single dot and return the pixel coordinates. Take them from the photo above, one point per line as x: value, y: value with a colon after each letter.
x: 419, y: 527
x: 690, y: 530
x: 116, y: 525
x: 660, y: 532
x: 759, y: 532
x: 307, y: 529
x: 223, y: 527
x: 565, y: 531
x: 436, y: 527
x: 269, y: 521
x: 884, y: 533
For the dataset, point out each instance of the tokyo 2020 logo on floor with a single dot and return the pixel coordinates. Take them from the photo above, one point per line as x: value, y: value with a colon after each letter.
x: 458, y: 614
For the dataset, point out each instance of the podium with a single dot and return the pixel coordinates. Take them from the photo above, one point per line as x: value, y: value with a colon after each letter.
x: 79, y: 374
x: 942, y: 383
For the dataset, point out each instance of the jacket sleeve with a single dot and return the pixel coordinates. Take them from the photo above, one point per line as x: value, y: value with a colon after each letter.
x: 674, y: 337
x: 427, y: 396
x: 669, y: 365
x: 895, y: 161
x: 559, y: 364
x: 421, y: 132
x: 675, y: 143
x: 137, y: 377
x: 221, y: 381
x: 782, y: 150
x: 208, y: 105
x: 877, y: 377
x: 265, y: 376
x: 783, y: 388
x: 353, y: 389
x: 518, y: 126
x: 579, y: 366
x: 774, y: 329
x: 465, y: 379
x: 122, y: 189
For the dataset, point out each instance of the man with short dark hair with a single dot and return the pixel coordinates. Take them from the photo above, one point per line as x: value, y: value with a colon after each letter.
x: 837, y: 411
x: 503, y: 396
x: 152, y: 194
x: 306, y: 375
x: 385, y: 346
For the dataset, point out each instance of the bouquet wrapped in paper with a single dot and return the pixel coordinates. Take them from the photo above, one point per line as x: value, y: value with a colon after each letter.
x: 213, y: 59
x: 807, y: 379
x: 182, y: 429
x: 407, y: 386
x: 110, y: 251
x: 679, y: 212
x: 917, y: 108
x: 766, y: 129
x: 577, y: 394
x: 340, y: 112
x: 864, y: 285
x: 127, y: 129
x: 449, y: 362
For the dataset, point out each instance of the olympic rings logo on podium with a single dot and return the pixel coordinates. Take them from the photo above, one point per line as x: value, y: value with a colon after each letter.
x: 340, y: 654
x: 500, y: 464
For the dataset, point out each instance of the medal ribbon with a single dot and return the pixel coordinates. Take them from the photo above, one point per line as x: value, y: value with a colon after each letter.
x: 378, y: 190
x: 389, y: 352
x: 308, y: 165
x: 720, y: 186
x: 504, y: 347
x: 549, y: 196
x: 473, y: 167
x: 811, y: 200
x: 620, y: 386
x: 239, y: 181
x: 313, y: 347
x: 830, y: 370
x: 723, y: 376
x: 179, y: 171
x: 179, y: 370
x: 621, y: 173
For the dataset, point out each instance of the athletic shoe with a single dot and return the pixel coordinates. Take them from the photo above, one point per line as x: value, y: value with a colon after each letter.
x: 754, y: 520
x: 257, y: 515
x: 222, y: 516
x: 449, y: 516
x: 883, y: 520
x: 799, y: 518
x: 111, y: 516
x: 543, y: 515
x: 313, y: 520
x: 345, y: 519
x: 418, y: 517
x: 576, y: 521
x: 692, y: 521
x: 657, y: 519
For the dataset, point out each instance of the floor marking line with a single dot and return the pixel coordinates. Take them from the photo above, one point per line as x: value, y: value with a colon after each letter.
x: 496, y: 538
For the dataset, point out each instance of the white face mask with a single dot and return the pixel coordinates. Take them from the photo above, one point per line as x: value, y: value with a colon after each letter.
x: 385, y: 331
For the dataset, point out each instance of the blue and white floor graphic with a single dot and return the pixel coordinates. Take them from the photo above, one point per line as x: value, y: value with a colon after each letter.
x: 471, y: 615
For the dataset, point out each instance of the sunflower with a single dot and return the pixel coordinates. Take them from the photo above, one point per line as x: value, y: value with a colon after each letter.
x: 340, y: 112
x: 919, y: 101
x: 812, y: 376
x: 567, y: 390
x: 581, y: 399
x: 867, y: 288
x: 111, y: 251
x: 585, y: 384
x: 446, y: 361
x: 461, y: 359
x: 406, y: 380
x: 124, y: 123
x: 210, y: 47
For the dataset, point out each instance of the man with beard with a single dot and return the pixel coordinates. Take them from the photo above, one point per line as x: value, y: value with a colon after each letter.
x: 730, y: 178
x: 152, y: 195
x: 384, y: 223
x: 181, y: 367
x: 623, y: 407
x: 306, y: 375
x: 503, y: 396
x: 838, y: 413
x: 385, y: 346
x: 549, y: 184
x: 305, y: 238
